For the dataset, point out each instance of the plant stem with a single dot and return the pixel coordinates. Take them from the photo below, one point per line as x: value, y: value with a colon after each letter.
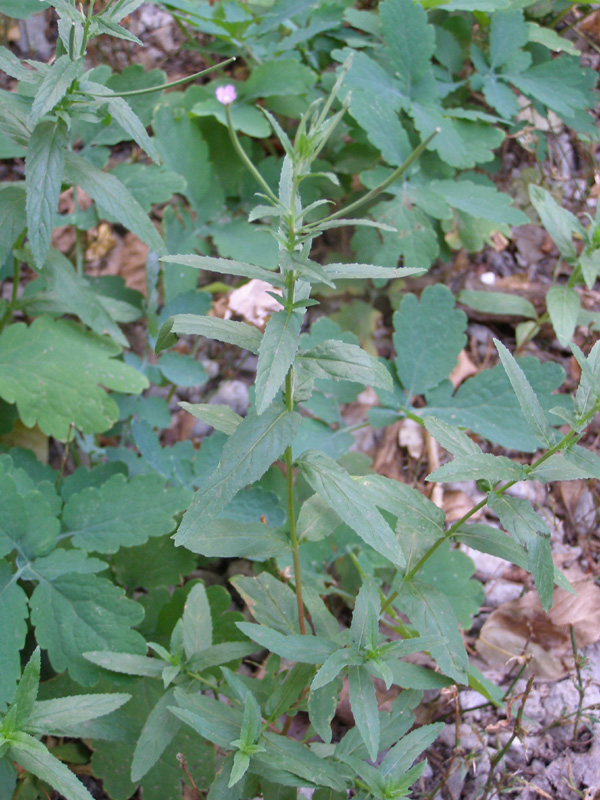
x: 162, y: 86
x: 289, y: 461
x: 247, y: 162
x: 381, y: 187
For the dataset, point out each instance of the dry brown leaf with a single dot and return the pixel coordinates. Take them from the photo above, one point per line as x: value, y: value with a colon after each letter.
x: 521, y: 629
x: 388, y: 458
x: 127, y: 259
x: 463, y: 369
x: 412, y: 436
x: 253, y: 303
x: 101, y: 242
x: 28, y: 438
x: 456, y: 504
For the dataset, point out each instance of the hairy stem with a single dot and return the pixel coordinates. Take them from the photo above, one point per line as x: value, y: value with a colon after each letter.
x: 246, y: 161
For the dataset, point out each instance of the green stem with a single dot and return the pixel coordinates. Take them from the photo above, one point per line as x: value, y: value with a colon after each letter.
x: 565, y: 442
x: 244, y: 157
x: 86, y: 28
x: 381, y: 187
x: 162, y: 86
x: 16, y: 279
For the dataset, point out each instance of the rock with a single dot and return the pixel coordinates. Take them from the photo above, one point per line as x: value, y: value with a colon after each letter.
x: 233, y: 394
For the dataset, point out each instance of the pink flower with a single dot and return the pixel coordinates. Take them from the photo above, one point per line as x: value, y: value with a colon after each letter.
x: 226, y: 94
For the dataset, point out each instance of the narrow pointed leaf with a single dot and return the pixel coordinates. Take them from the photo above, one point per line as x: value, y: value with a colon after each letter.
x: 160, y: 728
x: 337, y: 488
x: 197, y: 622
x: 530, y: 405
x: 44, y: 169
x: 342, y: 361
x: 226, y: 266
x: 221, y: 417
x: 295, y: 647
x: 363, y: 702
x: 276, y: 354
x: 54, y: 86
x: 223, y: 330
x: 33, y: 757
x: 250, y: 451
x: 57, y: 717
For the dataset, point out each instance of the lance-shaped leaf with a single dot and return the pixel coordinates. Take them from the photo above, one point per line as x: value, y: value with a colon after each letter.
x: 215, y: 721
x: 401, y: 757
x: 35, y: 758
x: 58, y: 717
x: 363, y: 702
x: 13, y: 630
x: 276, y: 354
x: 572, y: 464
x: 364, y: 630
x: 270, y: 601
x: 354, y: 507
x: 530, y: 405
x: 322, y: 705
x: 160, y: 729
x: 250, y: 451
x: 295, y: 647
x: 341, y: 361
x: 197, y: 622
x: 44, y: 170
x: 223, y: 330
x: 226, y: 538
x: 226, y: 266
x: 291, y: 756
x: 54, y: 370
x: 431, y: 614
x: 482, y: 466
x: 126, y: 663
x: 350, y: 272
x: 451, y: 438
x: 563, y: 305
x: 54, y: 86
x: 122, y: 513
x: 109, y: 193
x: 221, y: 417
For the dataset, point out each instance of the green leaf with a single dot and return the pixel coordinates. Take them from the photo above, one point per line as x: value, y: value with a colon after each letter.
x: 402, y: 756
x: 276, y: 354
x: 182, y: 370
x: 281, y: 77
x: 249, y: 452
x: 58, y: 717
x: 122, y: 513
x: 409, y: 42
x: 294, y: 647
x: 109, y: 193
x: 215, y: 721
x: 10, y: 64
x: 451, y: 438
x: 332, y: 667
x: 290, y: 755
x: 563, y: 305
x: 111, y: 760
x: 337, y: 488
x: 45, y: 165
x: 241, y: 762
x: 560, y: 223
x: 220, y: 417
x: 149, y: 183
x: 518, y: 517
x: 541, y: 566
x: 561, y: 84
x: 530, y: 405
x: 588, y: 392
x: 364, y: 630
x: 226, y: 538
x: 573, y: 464
x: 13, y: 217
x: 430, y: 613
x: 100, y: 618
x: 341, y: 361
x: 197, y: 622
x: 271, y: 602
x: 487, y: 404
x: 33, y: 756
x: 151, y: 565
x: 479, y: 200
x: 322, y: 705
x: 355, y: 271
x: 27, y: 691
x: 126, y: 663
x: 226, y: 266
x: 159, y: 730
x: 223, y: 330
x: 363, y: 702
x: 218, y: 654
x: 316, y: 520
x: 501, y: 303
x: 79, y: 296
x: 428, y: 336
x: 124, y: 115
x: 54, y: 370
x: 493, y: 541
x: 54, y: 86
x: 481, y: 466
x: 13, y: 629
x: 450, y: 572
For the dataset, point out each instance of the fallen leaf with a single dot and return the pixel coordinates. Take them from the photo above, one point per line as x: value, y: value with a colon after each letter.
x: 101, y: 242
x: 463, y: 369
x: 412, y: 436
x: 520, y: 629
x: 252, y: 302
x: 28, y: 438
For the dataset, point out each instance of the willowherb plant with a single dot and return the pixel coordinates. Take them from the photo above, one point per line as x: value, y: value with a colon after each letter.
x: 396, y: 537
